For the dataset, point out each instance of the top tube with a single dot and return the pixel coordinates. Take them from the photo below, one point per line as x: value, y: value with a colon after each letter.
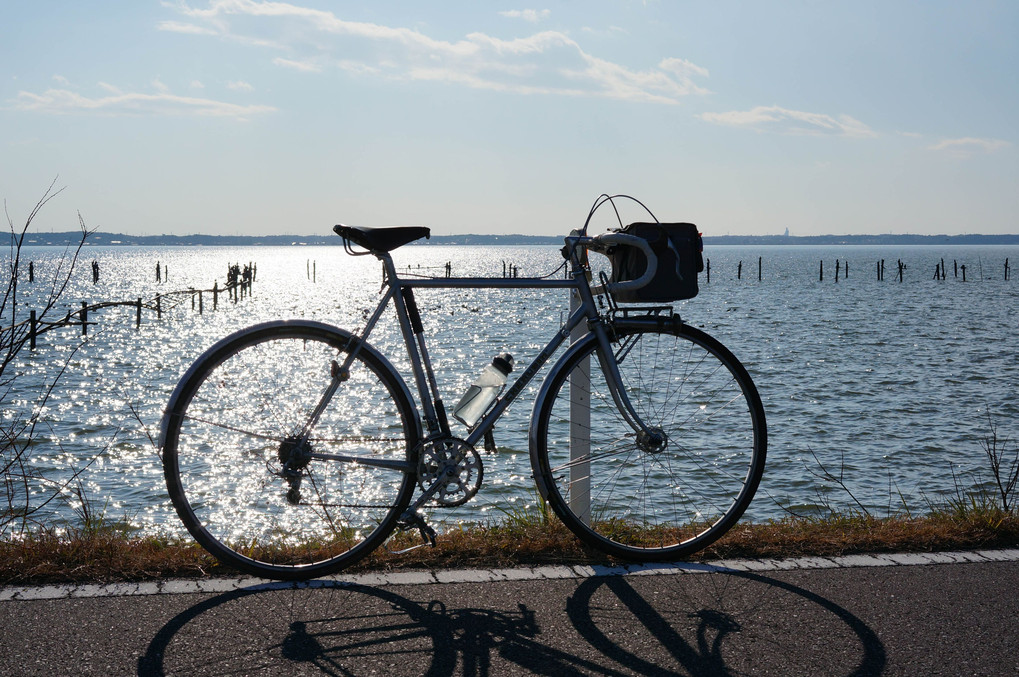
x: 381, y: 241
x: 485, y: 282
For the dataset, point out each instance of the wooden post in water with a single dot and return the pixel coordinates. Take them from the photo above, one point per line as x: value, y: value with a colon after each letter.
x: 943, y: 271
x: 760, y: 275
x: 901, y: 267
x: 31, y: 329
x: 837, y: 267
x: 847, y: 270
x: 707, y: 268
x: 882, y: 270
x: 964, y: 272
x: 956, y: 264
x: 159, y: 307
x: 821, y: 275
x: 138, y: 313
x: 84, y: 318
x: 200, y: 302
x: 739, y: 271
x: 1006, y: 269
x: 215, y: 295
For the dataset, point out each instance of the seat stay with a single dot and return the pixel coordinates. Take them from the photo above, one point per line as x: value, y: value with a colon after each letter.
x: 341, y: 372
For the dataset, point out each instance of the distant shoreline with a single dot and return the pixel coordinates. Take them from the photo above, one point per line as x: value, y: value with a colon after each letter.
x: 120, y: 240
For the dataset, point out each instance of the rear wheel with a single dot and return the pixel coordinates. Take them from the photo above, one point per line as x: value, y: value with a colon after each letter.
x: 670, y: 490
x: 252, y: 489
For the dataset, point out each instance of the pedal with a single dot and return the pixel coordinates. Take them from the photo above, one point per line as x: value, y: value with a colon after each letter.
x: 409, y: 521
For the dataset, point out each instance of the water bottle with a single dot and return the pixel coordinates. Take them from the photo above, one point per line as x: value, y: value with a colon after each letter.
x: 482, y: 393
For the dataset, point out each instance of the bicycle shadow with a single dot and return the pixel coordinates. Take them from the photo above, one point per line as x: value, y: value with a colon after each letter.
x: 703, y: 625
x: 731, y: 624
x: 341, y: 629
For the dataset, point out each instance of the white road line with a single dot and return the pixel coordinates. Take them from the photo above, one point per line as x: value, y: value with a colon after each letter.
x: 222, y: 585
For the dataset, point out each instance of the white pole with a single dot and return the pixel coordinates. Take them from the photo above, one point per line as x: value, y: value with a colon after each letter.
x: 580, y: 427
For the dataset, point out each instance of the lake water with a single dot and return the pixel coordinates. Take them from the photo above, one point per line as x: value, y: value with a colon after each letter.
x: 888, y: 383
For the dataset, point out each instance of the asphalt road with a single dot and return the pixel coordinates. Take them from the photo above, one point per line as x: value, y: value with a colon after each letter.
x: 944, y: 619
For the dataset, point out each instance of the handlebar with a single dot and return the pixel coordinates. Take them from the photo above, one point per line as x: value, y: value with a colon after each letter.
x: 602, y: 243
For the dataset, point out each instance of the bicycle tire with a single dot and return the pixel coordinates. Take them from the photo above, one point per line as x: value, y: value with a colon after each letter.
x: 637, y: 501
x: 231, y: 425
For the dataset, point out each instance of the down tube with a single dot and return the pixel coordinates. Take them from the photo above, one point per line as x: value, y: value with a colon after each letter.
x: 575, y: 321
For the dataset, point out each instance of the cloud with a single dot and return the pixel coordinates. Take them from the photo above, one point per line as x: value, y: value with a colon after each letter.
x: 178, y: 27
x: 531, y: 15
x: 784, y: 121
x: 162, y: 102
x: 305, y: 66
x: 62, y: 80
x: 969, y: 145
x: 240, y: 86
x: 547, y: 62
x: 611, y: 31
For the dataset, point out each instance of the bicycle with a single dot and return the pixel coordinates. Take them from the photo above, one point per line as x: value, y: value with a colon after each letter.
x: 292, y: 449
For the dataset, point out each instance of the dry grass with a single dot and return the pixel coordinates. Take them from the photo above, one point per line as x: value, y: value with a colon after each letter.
x: 109, y: 555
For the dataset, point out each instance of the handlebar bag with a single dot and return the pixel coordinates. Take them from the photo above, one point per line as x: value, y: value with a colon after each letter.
x: 679, y: 250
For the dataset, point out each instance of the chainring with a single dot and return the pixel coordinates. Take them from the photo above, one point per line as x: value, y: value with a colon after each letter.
x: 453, y: 463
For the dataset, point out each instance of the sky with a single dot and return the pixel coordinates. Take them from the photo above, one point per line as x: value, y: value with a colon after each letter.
x: 242, y: 117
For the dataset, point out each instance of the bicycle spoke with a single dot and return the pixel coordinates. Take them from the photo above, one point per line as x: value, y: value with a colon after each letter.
x: 680, y: 481
x: 295, y: 503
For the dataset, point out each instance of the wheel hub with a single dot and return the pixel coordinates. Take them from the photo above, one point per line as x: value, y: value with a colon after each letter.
x: 653, y: 440
x: 294, y: 456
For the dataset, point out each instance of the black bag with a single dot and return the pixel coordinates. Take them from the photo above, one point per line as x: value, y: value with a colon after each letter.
x: 679, y: 250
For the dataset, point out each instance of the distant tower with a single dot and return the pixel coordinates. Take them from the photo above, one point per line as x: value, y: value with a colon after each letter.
x: 787, y: 232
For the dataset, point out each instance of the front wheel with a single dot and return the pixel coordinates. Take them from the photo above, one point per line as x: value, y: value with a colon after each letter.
x: 676, y: 486
x: 252, y: 487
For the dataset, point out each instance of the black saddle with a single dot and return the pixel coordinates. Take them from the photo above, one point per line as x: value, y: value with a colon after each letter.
x: 381, y: 239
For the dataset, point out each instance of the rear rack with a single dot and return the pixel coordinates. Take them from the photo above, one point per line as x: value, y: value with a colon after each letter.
x: 663, y: 315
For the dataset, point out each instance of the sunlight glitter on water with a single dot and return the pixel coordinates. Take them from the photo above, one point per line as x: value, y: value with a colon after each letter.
x: 889, y: 383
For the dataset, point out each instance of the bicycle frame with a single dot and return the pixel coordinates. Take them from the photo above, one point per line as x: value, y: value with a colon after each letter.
x: 399, y: 291
x: 663, y: 483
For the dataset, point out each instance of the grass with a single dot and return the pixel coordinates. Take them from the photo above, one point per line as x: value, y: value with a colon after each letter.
x: 100, y: 550
x: 112, y: 554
